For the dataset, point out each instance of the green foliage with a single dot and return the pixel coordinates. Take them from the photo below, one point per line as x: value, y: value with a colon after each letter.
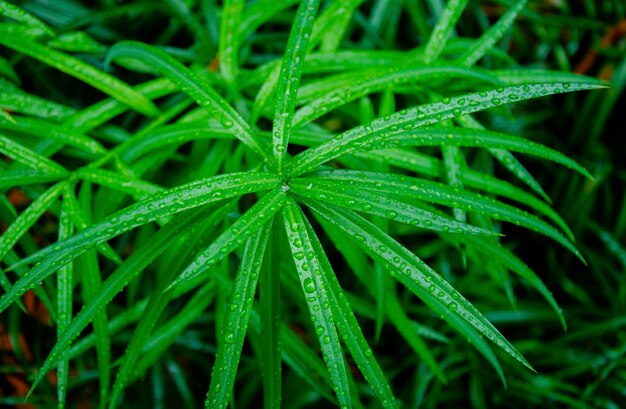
x: 307, y: 203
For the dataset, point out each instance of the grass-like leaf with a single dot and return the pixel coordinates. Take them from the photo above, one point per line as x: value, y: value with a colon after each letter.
x: 433, y: 192
x: 443, y: 29
x: 19, y: 14
x: 196, y: 86
x: 413, y: 273
x: 120, y: 279
x: 78, y: 69
x: 248, y: 224
x: 380, y: 205
x: 405, y: 120
x: 309, y: 271
x: 161, y: 205
x: 236, y: 320
x: 289, y: 79
x: 491, y: 36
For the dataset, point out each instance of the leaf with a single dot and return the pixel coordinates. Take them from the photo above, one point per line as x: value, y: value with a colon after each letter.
x: 105, y: 110
x: 27, y: 157
x: 380, y: 205
x: 164, y: 204
x: 289, y: 79
x: 399, y: 186
x: 42, y: 128
x: 91, y: 283
x: 138, y: 189
x: 360, y: 137
x: 21, y: 177
x: 509, y: 161
x: 498, y: 253
x: 406, y: 329
x: 270, y: 317
x: 19, y: 14
x: 229, y: 40
x: 255, y: 14
x: 78, y: 69
x: 348, y: 326
x: 248, y: 224
x: 28, y: 104
x: 313, y: 286
x: 490, y: 37
x: 413, y: 273
x: 443, y: 29
x: 433, y: 136
x: 197, y: 87
x: 236, y: 320
x: 333, y: 23
x: 158, y: 302
x: 77, y: 42
x: 432, y: 167
x: 65, y: 287
x: 7, y: 70
x: 351, y: 86
x: 25, y: 221
x: 119, y: 279
x: 176, y: 134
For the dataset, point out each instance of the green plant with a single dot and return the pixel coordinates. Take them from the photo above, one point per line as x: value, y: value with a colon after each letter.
x: 192, y: 201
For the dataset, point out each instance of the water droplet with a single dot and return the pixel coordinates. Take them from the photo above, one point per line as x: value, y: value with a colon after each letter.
x: 309, y: 285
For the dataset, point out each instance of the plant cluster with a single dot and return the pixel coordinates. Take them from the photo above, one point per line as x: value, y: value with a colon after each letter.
x: 285, y: 199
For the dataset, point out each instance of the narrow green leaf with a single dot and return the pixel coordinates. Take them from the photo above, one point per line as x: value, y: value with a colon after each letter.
x: 429, y: 166
x: 41, y: 128
x: 509, y: 161
x: 196, y: 86
x: 25, y: 221
x: 413, y: 273
x: 103, y: 111
x: 289, y: 79
x: 259, y: 12
x: 24, y: 177
x: 77, y: 42
x: 443, y: 29
x: 270, y: 316
x: 82, y: 222
x: 308, y: 265
x: 407, y: 330
x: 119, y: 279
x: 362, y: 136
x: 65, y: 289
x: 349, y: 327
x: 7, y: 70
x: 19, y: 14
x: 498, y: 253
x: 351, y: 86
x: 137, y: 188
x: 490, y: 37
x: 159, y: 301
x: 176, y: 134
x: 28, y: 104
x: 80, y: 70
x: 434, y: 192
x: 236, y: 320
x: 334, y: 23
x: 91, y: 283
x: 160, y: 205
x: 229, y: 40
x: 30, y: 158
x: 361, y: 268
x: 246, y: 225
x: 166, y: 335
x: 379, y: 205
